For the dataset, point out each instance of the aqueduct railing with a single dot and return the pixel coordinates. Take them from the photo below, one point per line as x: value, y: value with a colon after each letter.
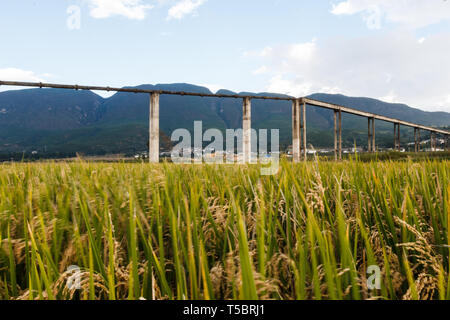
x: 299, y: 140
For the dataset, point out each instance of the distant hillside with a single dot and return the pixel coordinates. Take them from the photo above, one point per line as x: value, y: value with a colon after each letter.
x: 49, y: 109
x: 50, y: 120
x: 175, y: 111
x: 393, y: 110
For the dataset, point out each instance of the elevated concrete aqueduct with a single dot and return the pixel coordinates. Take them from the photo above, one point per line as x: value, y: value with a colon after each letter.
x: 298, y: 119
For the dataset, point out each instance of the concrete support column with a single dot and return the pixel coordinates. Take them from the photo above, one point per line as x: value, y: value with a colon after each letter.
x: 296, y: 143
x: 415, y: 140
x: 371, y: 135
x: 340, y: 135
x: 335, y: 136
x: 305, y: 152
x: 374, y: 147
x: 418, y: 140
x: 433, y: 142
x: 397, y: 136
x: 153, y: 152
x: 247, y: 130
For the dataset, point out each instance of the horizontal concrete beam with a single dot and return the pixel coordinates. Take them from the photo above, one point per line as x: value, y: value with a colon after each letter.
x: 371, y: 115
x: 234, y: 96
x: 132, y: 90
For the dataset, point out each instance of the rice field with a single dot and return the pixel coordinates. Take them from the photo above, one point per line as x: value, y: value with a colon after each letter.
x: 140, y: 231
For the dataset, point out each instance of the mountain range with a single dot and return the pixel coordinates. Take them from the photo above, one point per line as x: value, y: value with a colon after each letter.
x: 65, y: 121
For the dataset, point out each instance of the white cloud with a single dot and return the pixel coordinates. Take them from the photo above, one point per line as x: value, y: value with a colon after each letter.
x: 131, y: 9
x: 394, y: 66
x: 212, y: 87
x: 286, y: 56
x: 302, y: 52
x: 391, y: 97
x: 166, y: 34
x: 260, y: 71
x: 49, y: 75
x: 408, y: 13
x: 258, y: 53
x: 344, y: 8
x: 183, y: 8
x: 292, y: 87
x: 266, y: 51
x: 14, y: 74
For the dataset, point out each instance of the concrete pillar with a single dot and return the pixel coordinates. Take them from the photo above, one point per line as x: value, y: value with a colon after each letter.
x: 373, y: 135
x: 395, y: 136
x: 340, y: 135
x: 304, y: 132
x: 247, y: 130
x: 335, y: 136
x: 433, y: 141
x: 153, y: 152
x: 374, y: 147
x: 296, y: 144
x: 418, y: 140
x: 415, y: 140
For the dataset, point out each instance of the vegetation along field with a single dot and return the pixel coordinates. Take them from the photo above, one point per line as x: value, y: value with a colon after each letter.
x: 202, y: 232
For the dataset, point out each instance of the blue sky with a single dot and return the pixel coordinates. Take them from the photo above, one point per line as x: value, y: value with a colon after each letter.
x: 393, y: 50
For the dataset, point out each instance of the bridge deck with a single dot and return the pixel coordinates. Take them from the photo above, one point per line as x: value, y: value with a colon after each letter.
x: 234, y: 96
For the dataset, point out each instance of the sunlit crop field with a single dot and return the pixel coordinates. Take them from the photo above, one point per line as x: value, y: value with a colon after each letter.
x: 140, y: 231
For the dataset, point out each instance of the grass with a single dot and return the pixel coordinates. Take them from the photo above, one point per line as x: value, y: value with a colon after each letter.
x: 204, y: 232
